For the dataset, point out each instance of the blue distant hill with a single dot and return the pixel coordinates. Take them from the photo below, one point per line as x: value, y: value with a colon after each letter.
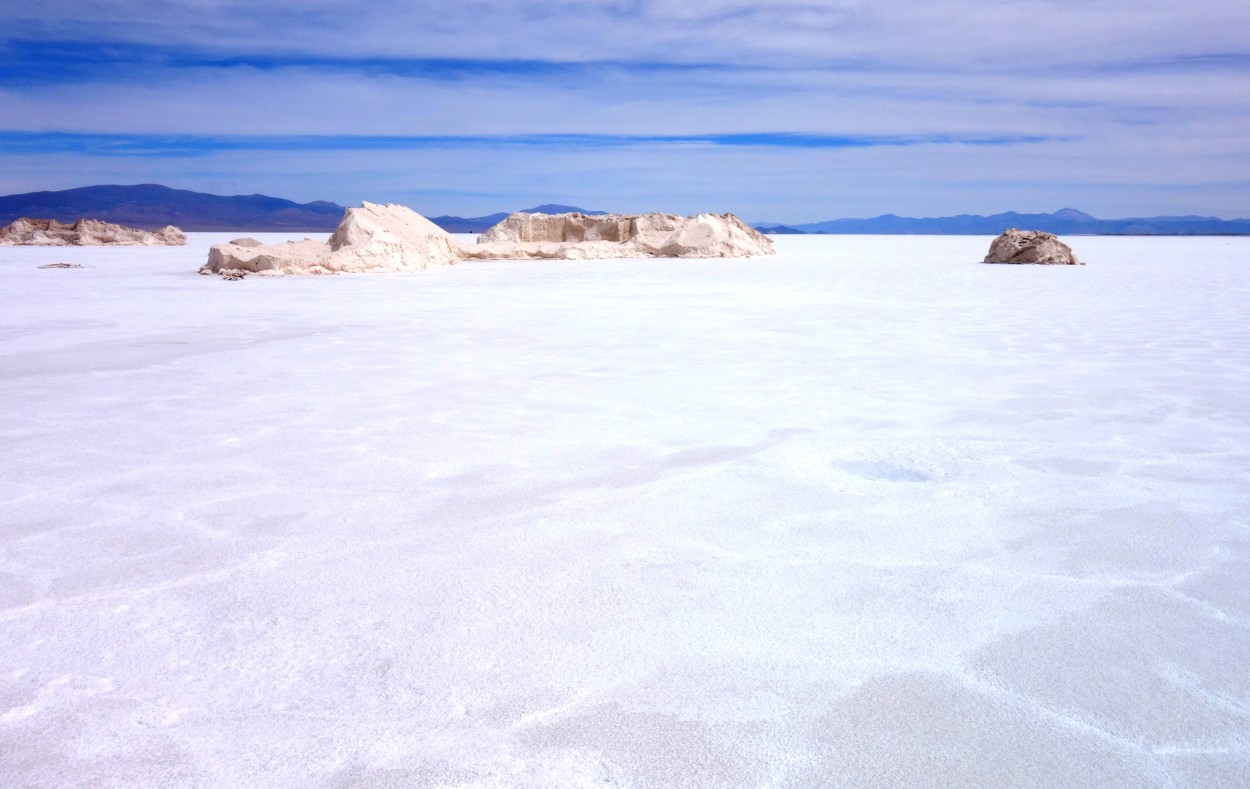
x: 1067, y: 221
x: 150, y: 206
x: 779, y: 230
x: 479, y: 224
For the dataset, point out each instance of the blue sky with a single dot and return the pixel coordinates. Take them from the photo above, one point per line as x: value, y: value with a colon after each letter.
x: 780, y: 111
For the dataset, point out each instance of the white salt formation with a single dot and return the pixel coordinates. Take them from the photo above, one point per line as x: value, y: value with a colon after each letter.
x: 378, y: 238
x: 86, y: 233
x: 578, y: 236
x: 387, y: 238
x: 1030, y: 246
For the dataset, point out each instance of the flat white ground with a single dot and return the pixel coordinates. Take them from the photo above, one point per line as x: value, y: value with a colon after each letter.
x: 865, y: 513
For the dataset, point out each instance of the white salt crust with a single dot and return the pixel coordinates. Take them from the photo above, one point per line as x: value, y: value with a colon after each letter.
x: 863, y: 513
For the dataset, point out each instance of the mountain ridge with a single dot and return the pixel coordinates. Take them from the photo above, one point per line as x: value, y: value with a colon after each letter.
x: 152, y: 206
x: 1065, y: 221
x: 480, y: 224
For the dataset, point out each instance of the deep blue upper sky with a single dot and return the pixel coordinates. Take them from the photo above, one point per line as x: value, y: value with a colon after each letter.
x: 781, y: 111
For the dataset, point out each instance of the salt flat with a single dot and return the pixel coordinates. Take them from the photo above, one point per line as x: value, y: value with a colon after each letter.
x: 866, y: 513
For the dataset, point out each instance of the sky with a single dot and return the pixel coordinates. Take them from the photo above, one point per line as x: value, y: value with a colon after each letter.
x: 778, y: 111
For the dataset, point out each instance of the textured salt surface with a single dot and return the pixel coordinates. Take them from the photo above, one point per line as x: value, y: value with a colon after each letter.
x: 868, y: 512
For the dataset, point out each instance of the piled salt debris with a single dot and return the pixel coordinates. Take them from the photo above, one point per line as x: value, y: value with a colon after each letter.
x: 1030, y: 246
x: 86, y: 233
x: 378, y: 238
x: 578, y: 236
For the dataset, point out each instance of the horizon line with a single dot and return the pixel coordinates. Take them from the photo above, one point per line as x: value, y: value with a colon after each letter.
x: 757, y: 223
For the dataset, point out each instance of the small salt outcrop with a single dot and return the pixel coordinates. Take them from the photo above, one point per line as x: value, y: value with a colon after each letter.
x: 578, y: 236
x: 371, y: 238
x: 86, y: 233
x: 1030, y: 246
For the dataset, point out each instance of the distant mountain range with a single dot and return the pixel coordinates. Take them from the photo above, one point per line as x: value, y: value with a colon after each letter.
x: 1067, y: 221
x: 779, y: 230
x: 150, y: 206
x: 479, y: 224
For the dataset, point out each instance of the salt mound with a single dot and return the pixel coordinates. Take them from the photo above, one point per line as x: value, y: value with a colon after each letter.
x: 86, y: 233
x: 371, y: 238
x: 391, y: 238
x: 1030, y: 246
x: 578, y: 236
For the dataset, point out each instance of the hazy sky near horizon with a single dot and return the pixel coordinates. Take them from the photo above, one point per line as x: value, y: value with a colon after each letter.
x: 778, y: 111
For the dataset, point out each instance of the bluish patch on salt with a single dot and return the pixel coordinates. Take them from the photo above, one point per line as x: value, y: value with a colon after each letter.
x: 884, y: 472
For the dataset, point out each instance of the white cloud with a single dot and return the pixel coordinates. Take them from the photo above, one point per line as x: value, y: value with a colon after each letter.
x: 1037, y: 35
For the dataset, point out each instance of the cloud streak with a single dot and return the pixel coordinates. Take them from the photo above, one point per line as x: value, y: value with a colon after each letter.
x: 25, y: 62
x: 145, y: 145
x: 42, y: 62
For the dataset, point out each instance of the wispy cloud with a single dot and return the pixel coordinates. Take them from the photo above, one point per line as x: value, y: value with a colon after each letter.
x: 27, y: 62
x: 30, y: 62
x: 148, y: 145
x: 1040, y: 33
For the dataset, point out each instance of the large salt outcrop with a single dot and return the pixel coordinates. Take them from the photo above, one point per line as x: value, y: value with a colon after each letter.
x: 394, y: 238
x: 1030, y: 246
x: 371, y: 238
x: 86, y: 233
x: 580, y: 236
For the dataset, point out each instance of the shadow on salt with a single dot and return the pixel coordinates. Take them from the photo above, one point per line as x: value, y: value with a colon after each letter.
x: 883, y: 472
